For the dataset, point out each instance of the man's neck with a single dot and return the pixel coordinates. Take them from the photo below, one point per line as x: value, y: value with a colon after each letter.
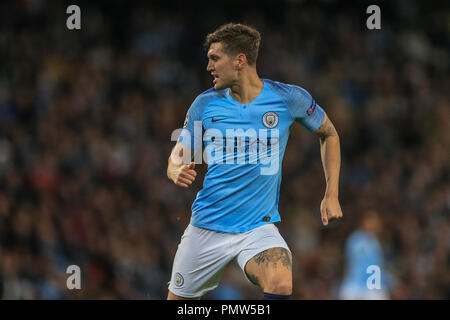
x: 247, y: 88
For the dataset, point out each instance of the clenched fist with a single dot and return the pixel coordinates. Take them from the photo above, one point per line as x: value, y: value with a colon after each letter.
x: 182, y: 175
x: 330, y: 209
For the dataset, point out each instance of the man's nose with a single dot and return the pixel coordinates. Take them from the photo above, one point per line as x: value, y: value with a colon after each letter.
x: 209, y: 67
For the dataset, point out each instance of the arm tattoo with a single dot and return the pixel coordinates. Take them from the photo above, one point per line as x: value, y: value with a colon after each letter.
x: 327, y: 129
x: 274, y: 255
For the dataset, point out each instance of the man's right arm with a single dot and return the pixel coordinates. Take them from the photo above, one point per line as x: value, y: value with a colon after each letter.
x: 181, y: 174
x: 181, y: 171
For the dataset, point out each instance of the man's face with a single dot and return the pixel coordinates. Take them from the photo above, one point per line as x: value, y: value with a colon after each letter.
x: 221, y: 67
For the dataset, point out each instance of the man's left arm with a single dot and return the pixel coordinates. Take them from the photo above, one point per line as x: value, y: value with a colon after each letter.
x: 330, y: 152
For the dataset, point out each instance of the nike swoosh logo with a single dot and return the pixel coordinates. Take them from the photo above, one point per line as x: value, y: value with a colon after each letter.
x: 215, y: 120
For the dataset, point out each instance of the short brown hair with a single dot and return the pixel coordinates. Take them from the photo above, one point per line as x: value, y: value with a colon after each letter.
x: 236, y: 38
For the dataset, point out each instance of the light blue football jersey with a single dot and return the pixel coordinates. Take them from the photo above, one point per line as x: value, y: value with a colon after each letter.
x: 244, y: 146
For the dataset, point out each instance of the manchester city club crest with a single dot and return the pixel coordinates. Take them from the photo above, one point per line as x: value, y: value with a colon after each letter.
x: 179, y: 280
x: 270, y: 119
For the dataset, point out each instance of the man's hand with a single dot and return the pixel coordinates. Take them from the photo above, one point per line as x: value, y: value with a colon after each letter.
x: 182, y: 175
x: 330, y: 209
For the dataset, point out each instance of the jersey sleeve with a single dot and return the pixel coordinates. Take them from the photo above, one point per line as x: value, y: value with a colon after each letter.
x: 304, y: 109
x: 192, y: 133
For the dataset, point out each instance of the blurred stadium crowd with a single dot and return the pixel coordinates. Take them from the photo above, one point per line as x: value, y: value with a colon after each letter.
x: 86, y: 119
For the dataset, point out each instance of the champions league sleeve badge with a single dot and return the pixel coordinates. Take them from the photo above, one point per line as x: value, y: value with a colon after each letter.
x: 270, y: 119
x: 312, y: 108
x: 186, y: 120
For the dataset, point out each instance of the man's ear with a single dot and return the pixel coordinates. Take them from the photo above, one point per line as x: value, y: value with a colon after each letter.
x: 241, y: 61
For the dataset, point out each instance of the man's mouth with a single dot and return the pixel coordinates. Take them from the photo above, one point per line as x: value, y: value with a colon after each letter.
x: 215, y: 78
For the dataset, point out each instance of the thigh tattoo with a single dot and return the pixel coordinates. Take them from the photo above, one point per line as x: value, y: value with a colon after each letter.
x: 254, y: 279
x: 273, y: 255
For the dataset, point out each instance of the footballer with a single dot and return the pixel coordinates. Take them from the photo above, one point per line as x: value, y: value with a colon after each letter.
x: 234, y: 213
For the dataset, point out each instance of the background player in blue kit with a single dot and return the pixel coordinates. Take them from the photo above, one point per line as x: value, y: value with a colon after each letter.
x: 363, y: 251
x: 233, y: 215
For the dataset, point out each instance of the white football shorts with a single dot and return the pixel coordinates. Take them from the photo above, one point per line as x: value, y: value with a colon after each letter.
x: 203, y: 254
